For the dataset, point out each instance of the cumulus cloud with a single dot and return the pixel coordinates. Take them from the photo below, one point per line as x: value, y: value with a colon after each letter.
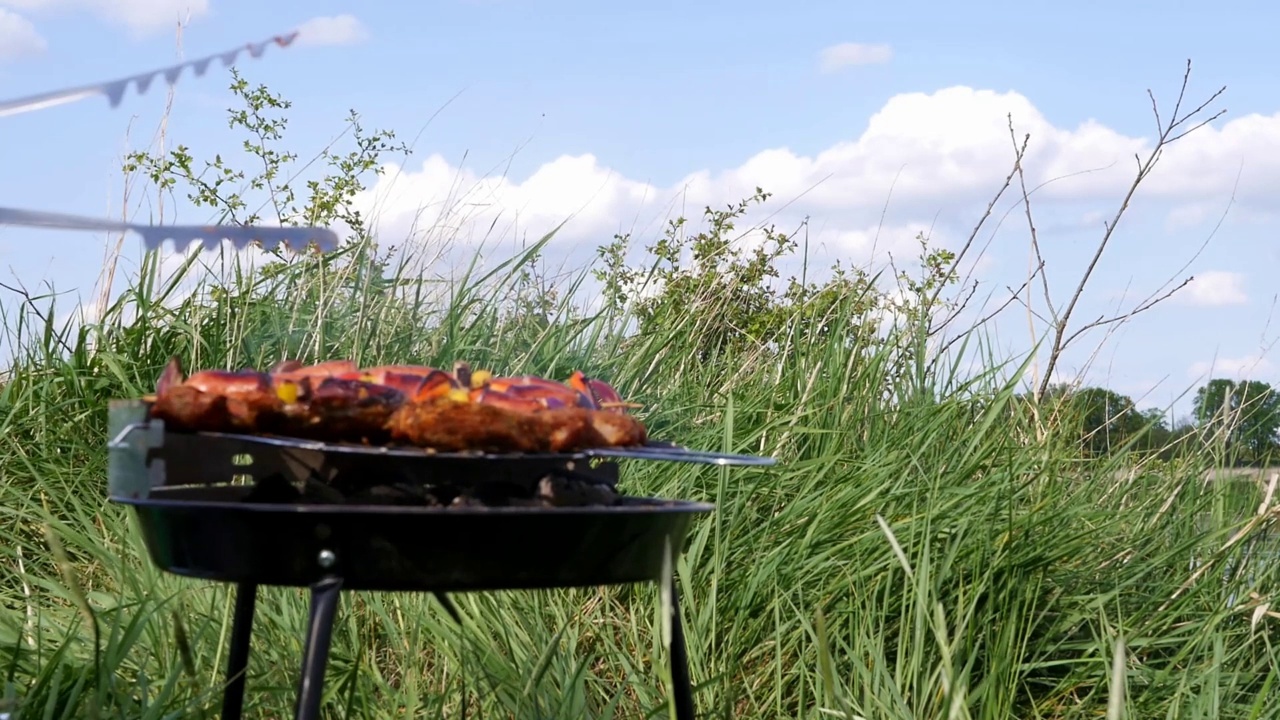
x: 18, y: 37
x: 838, y: 57
x: 935, y: 158
x: 142, y: 17
x: 441, y: 204
x: 1215, y: 288
x: 1248, y: 367
x: 336, y: 30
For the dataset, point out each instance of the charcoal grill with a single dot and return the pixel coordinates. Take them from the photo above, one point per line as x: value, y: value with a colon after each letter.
x: 261, y: 510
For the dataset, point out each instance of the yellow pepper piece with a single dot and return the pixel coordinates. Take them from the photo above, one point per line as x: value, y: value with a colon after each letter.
x: 287, y: 392
x: 480, y: 378
x: 458, y: 395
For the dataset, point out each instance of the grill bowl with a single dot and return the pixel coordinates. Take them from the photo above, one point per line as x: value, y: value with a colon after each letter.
x: 214, y: 534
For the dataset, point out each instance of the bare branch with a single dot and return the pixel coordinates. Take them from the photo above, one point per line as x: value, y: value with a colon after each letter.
x: 1182, y: 92
x: 1022, y: 302
x: 1166, y: 136
x: 1013, y: 295
x: 1155, y: 110
x: 1031, y: 224
x: 1120, y: 318
x: 960, y: 307
x: 1185, y: 133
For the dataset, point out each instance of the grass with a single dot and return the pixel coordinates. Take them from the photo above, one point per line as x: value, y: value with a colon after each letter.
x: 922, y: 550
x: 916, y: 554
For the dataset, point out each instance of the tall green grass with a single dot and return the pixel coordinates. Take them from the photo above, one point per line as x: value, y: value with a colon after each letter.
x: 916, y: 554
x: 922, y: 550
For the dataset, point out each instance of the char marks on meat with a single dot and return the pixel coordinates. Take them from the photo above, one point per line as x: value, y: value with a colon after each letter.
x: 458, y: 411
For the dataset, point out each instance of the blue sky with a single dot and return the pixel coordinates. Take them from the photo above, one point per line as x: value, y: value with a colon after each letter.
x: 617, y: 112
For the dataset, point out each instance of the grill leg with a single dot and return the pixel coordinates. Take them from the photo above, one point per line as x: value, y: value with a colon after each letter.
x: 324, y: 604
x: 238, y: 657
x: 449, y: 607
x: 682, y: 688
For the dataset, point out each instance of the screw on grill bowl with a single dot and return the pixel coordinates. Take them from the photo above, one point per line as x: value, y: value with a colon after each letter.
x: 326, y: 559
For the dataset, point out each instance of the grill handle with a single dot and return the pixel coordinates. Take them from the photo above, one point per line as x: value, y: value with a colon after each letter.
x: 132, y: 440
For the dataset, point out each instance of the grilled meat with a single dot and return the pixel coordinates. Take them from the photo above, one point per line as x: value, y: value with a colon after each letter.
x: 426, y: 407
x: 452, y: 426
x: 339, y: 410
x: 216, y: 400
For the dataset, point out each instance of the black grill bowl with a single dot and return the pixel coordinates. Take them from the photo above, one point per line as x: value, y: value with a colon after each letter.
x: 214, y: 534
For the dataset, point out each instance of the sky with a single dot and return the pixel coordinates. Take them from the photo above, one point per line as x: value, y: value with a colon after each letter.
x: 867, y: 123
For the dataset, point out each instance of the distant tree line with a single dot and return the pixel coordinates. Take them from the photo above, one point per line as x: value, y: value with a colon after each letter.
x: 1239, y: 419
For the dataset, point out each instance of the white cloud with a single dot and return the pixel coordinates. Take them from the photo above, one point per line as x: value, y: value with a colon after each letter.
x: 1189, y: 215
x: 142, y: 17
x: 18, y: 37
x: 1249, y: 367
x: 935, y: 157
x: 337, y: 30
x: 851, y: 54
x: 449, y: 203
x: 1215, y: 288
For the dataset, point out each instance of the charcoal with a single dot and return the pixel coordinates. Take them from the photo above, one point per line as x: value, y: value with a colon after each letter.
x: 562, y: 492
x: 399, y: 494
x: 552, y: 490
x: 466, y: 501
x: 314, y: 491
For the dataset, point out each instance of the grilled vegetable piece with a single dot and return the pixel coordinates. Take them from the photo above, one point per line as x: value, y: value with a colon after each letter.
x: 416, y: 382
x: 547, y: 393
x: 603, y: 395
x: 337, y: 409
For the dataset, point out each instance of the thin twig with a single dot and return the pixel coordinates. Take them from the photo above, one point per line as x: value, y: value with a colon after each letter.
x: 1166, y: 136
x: 1031, y: 223
x: 1013, y: 295
x: 1119, y: 318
